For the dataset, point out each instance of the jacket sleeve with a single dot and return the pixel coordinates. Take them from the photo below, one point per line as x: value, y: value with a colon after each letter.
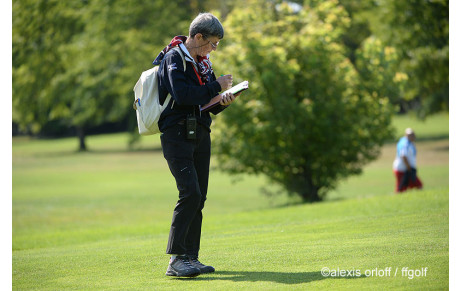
x: 181, y: 89
x: 219, y: 108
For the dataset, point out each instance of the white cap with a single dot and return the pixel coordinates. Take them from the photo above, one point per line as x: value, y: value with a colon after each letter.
x: 409, y: 131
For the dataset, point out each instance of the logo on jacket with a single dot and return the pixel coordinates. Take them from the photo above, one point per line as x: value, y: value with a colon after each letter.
x: 172, y: 67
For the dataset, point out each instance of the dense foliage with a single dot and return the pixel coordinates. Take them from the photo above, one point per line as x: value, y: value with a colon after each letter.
x: 306, y: 121
x: 76, y: 62
x: 418, y: 32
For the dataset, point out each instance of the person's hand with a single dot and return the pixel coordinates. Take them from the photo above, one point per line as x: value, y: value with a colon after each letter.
x: 227, y: 99
x: 225, y: 82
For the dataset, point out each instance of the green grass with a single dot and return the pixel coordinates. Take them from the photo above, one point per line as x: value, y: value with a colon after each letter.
x: 100, y: 220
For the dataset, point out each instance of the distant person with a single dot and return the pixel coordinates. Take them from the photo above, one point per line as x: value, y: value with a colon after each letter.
x: 185, y: 134
x: 405, y: 163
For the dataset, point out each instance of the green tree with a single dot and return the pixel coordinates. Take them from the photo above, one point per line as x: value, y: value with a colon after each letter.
x: 378, y: 66
x: 96, y: 51
x: 103, y: 63
x: 359, y: 28
x: 39, y: 27
x: 305, y: 122
x: 419, y: 31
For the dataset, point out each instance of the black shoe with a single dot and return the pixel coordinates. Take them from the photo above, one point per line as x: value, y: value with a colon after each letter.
x: 197, y: 264
x: 181, y: 267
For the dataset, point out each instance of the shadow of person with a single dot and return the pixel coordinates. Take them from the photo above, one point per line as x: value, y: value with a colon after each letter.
x: 276, y: 277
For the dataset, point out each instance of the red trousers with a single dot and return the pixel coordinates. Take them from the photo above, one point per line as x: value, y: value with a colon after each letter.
x: 412, y: 184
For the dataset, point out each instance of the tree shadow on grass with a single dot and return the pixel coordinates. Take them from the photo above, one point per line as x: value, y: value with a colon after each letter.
x: 99, y: 151
x: 276, y: 277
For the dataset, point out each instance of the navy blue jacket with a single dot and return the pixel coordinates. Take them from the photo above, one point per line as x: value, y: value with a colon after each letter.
x: 185, y: 90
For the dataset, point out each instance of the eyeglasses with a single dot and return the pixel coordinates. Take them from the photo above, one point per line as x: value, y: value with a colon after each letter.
x: 214, y: 46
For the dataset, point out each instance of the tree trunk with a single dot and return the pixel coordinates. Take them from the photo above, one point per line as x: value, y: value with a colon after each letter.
x: 81, y: 138
x: 314, y: 196
x: 310, y: 191
x: 311, y: 195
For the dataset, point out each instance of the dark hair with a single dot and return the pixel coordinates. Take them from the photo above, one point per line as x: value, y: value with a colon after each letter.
x: 206, y: 24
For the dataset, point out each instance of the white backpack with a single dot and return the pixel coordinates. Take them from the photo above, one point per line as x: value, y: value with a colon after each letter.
x: 147, y: 100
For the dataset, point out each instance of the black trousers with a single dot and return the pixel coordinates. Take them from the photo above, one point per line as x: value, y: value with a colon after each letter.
x: 188, y: 161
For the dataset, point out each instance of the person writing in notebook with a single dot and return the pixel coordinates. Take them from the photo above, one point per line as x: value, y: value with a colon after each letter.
x: 185, y: 134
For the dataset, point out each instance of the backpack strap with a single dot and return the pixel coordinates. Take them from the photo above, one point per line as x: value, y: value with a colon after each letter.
x: 168, y: 98
x: 177, y: 49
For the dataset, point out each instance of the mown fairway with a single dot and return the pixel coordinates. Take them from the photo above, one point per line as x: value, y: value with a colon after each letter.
x: 100, y: 220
